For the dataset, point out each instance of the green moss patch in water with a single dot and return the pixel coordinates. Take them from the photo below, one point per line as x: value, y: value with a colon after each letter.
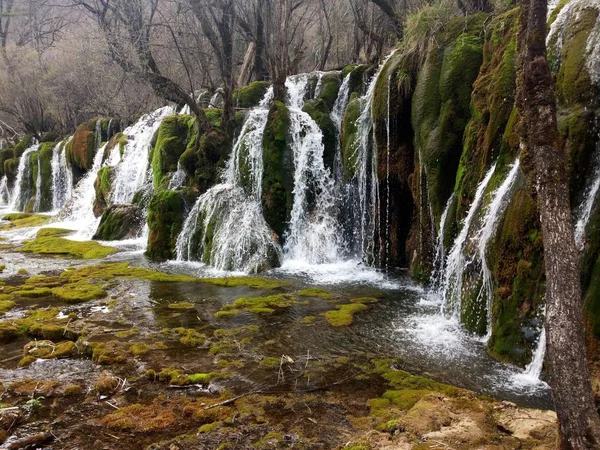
x: 53, y: 232
x: 23, y: 220
x: 79, y: 292
x: 343, y: 316
x: 181, y: 305
x: 257, y: 305
x: 6, y: 305
x: 50, y: 245
x: 315, y: 293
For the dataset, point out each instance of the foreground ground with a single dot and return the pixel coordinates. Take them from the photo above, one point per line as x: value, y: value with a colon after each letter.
x: 110, y: 356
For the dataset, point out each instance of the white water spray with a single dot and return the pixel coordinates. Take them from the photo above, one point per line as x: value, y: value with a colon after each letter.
x: 62, y: 177
x: 22, y: 184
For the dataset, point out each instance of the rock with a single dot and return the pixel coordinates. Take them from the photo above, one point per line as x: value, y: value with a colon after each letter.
x: 165, y: 219
x: 526, y: 424
x: 120, y: 222
x: 430, y: 414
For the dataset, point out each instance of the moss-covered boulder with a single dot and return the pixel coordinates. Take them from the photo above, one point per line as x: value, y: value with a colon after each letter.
x: 5, y: 155
x: 251, y: 95
x: 82, y: 147
x: 120, y: 222
x: 278, y: 173
x: 319, y: 112
x: 103, y: 188
x: 11, y: 167
x: 204, y: 164
x: 174, y: 135
x: 165, y: 220
x: 23, y: 144
x: 329, y: 88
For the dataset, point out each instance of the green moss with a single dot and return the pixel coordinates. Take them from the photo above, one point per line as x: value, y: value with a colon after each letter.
x: 141, y: 348
x: 344, y: 314
x: 23, y: 144
x: 79, y: 292
x: 24, y: 220
x: 330, y: 86
x: 6, y: 305
x: 64, y: 247
x: 53, y: 232
x: 308, y: 320
x: 209, y: 427
x: 257, y: 305
x: 251, y: 95
x: 165, y: 220
x: 181, y: 305
x: 348, y: 137
x: 190, y: 337
x: 120, y: 222
x: 50, y: 350
x: 270, y: 363
x: 45, y: 166
x: 277, y: 183
x: 11, y: 167
x: 227, y: 314
x: 103, y: 188
x: 364, y: 300
x: 316, y: 293
x: 172, y: 140
x: 253, y: 282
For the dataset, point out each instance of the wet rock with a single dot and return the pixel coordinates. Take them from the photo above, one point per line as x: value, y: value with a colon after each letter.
x: 120, y: 222
x: 526, y: 424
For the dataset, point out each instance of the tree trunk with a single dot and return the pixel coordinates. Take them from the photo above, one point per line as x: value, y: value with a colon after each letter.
x: 248, y: 64
x: 545, y: 159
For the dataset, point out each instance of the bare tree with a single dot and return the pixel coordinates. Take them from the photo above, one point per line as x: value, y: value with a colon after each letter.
x: 569, y: 374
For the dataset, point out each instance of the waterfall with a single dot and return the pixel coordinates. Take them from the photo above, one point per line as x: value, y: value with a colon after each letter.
x: 23, y: 186
x: 178, y: 178
x: 337, y: 112
x: 585, y: 209
x: 4, y: 191
x: 132, y: 172
x: 440, y: 252
x: 455, y: 263
x: 364, y: 191
x: 495, y: 211
x: 313, y: 235
x: 534, y: 368
x: 226, y: 228
x: 79, y: 209
x: 38, y: 185
x: 62, y: 177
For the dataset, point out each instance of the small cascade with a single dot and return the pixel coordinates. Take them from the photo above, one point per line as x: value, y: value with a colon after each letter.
x: 440, y: 252
x: 363, y: 193
x: 132, y: 172
x: 583, y: 213
x: 226, y: 228
x: 216, y: 101
x: 534, y: 368
x: 38, y: 185
x: 79, y: 209
x: 178, y: 178
x: 62, y: 177
x: 337, y: 113
x: 4, y: 191
x: 495, y: 211
x: 23, y: 186
x: 455, y: 263
x: 313, y: 235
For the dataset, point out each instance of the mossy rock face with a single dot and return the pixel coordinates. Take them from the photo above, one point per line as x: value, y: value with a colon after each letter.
x: 174, y: 134
x: 58, y: 246
x: 251, y: 95
x: 120, y: 222
x: 80, y: 150
x: 165, y: 220
x: 330, y: 86
x: 45, y: 166
x: 103, y: 188
x: 11, y: 167
x: 489, y: 132
x: 517, y: 264
x: 394, y: 143
x: 319, y: 112
x: 22, y: 145
x: 5, y: 155
x: 348, y: 137
x: 203, y: 165
x: 278, y: 180
x: 359, y: 75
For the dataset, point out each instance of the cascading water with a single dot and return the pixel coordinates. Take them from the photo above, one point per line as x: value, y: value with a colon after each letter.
x: 495, y: 211
x: 455, y: 263
x: 23, y: 186
x: 585, y: 209
x: 226, y: 228
x: 337, y: 112
x: 79, y: 211
x: 38, y: 186
x: 440, y: 252
x: 178, y: 178
x: 62, y: 177
x: 4, y: 191
x: 363, y: 191
x: 132, y: 172
x: 313, y: 235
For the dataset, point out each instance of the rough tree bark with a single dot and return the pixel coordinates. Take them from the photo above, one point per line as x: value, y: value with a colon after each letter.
x: 545, y: 160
